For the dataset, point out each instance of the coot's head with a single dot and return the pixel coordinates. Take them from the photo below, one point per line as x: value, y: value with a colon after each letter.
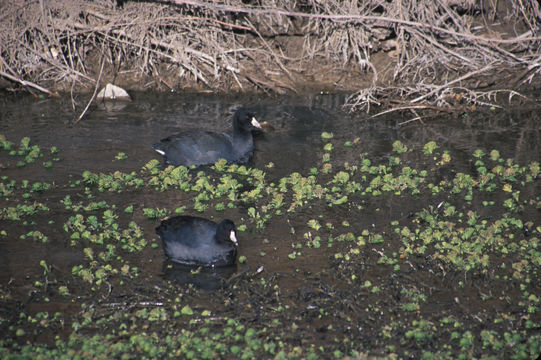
x: 244, y: 120
x: 226, y: 232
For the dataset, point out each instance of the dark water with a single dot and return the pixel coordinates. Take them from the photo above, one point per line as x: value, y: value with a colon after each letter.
x: 291, y: 142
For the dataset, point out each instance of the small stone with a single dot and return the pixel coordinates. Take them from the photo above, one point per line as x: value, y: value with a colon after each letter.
x: 113, y: 92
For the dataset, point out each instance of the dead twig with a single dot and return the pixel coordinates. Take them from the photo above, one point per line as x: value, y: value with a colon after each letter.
x: 94, y: 94
x: 54, y: 64
x: 412, y: 108
x: 28, y: 83
x: 24, y: 82
x: 449, y: 83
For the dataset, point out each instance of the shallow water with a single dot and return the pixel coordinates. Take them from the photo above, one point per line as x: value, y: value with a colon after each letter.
x: 130, y: 127
x: 291, y: 142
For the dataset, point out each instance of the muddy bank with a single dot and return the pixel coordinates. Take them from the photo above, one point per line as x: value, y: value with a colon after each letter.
x: 421, y: 55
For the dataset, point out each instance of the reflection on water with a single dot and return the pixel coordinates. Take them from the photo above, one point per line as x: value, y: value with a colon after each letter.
x: 291, y: 141
x: 205, y: 278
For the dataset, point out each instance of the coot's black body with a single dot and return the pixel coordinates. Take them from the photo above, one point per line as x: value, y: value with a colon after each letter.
x: 196, y: 241
x: 200, y: 147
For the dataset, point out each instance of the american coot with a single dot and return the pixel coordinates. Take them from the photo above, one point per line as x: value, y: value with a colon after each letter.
x: 199, y: 147
x: 196, y: 241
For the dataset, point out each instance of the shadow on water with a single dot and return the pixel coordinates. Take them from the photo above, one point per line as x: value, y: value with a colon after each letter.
x: 291, y: 142
x: 205, y: 278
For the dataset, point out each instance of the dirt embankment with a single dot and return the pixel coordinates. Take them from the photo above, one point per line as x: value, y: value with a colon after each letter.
x: 431, y: 55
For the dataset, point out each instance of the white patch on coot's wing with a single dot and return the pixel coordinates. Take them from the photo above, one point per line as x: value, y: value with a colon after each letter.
x: 161, y: 152
x: 255, y: 123
x: 233, y: 237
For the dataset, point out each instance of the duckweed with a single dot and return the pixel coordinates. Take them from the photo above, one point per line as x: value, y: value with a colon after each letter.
x: 21, y: 211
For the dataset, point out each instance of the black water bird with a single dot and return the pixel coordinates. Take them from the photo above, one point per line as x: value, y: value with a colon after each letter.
x: 200, y: 147
x: 193, y: 240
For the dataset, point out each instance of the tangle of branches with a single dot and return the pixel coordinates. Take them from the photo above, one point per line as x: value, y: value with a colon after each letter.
x: 443, y: 52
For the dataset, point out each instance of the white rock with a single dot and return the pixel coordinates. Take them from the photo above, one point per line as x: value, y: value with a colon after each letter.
x: 113, y: 92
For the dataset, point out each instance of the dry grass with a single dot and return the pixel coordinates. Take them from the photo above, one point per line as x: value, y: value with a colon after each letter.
x: 441, y: 52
